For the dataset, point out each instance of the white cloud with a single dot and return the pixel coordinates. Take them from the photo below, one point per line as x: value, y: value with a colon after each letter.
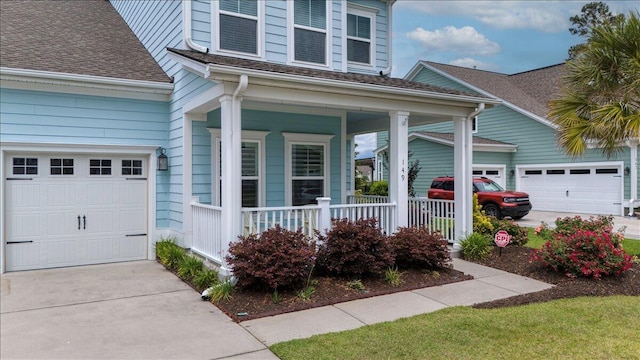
x: 366, y: 144
x: 546, y: 16
x: 464, y: 40
x: 474, y: 64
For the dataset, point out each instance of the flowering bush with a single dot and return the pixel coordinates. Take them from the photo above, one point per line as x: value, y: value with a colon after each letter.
x: 570, y: 225
x: 276, y: 259
x: 354, y: 249
x: 585, y: 253
x: 418, y: 248
x: 544, y: 231
x: 519, y: 235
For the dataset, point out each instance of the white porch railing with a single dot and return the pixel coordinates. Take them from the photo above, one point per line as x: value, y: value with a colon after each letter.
x: 207, y: 234
x: 257, y: 220
x: 367, y: 199
x: 209, y: 242
x: 434, y: 214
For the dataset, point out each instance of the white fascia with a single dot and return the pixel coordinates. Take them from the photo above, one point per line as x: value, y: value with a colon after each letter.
x: 476, y: 147
x: 412, y: 73
x: 38, y: 80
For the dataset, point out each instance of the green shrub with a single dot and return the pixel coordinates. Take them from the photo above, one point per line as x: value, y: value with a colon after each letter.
x: 205, y: 279
x: 354, y: 249
x: 481, y: 223
x: 519, y: 235
x: 393, y: 276
x: 278, y: 258
x: 221, y: 291
x: 175, y: 255
x: 476, y: 246
x: 571, y: 225
x: 189, y: 267
x: 416, y: 247
x: 585, y: 253
x: 162, y: 248
x: 380, y: 187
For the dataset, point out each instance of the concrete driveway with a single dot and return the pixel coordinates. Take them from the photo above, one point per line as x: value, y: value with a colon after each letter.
x: 134, y: 310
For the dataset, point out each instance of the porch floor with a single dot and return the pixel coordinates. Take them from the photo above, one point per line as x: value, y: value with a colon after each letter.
x: 488, y: 284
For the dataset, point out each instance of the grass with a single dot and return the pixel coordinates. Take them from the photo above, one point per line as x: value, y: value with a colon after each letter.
x: 631, y: 246
x: 581, y: 328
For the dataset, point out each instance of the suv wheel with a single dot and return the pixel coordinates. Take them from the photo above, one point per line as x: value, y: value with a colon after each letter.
x: 492, y: 210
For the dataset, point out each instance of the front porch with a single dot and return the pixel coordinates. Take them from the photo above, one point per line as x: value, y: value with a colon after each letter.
x: 209, y: 242
x: 268, y: 144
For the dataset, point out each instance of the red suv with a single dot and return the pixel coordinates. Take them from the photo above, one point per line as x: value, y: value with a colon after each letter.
x: 494, y: 199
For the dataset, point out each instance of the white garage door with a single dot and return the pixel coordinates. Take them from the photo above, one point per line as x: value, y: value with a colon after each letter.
x: 576, y: 189
x: 495, y: 173
x: 65, y: 210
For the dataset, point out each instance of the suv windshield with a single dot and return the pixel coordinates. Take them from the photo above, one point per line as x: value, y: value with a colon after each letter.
x: 487, y: 185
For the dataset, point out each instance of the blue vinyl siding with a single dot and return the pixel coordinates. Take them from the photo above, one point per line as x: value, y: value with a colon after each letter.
x: 45, y: 117
x: 427, y: 76
x: 276, y: 123
x: 158, y: 25
x: 276, y: 31
x: 201, y: 24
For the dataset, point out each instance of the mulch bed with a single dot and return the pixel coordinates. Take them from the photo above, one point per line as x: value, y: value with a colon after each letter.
x: 246, y: 305
x: 516, y: 259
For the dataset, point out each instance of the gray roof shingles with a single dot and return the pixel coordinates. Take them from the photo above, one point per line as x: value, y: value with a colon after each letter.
x: 316, y: 73
x: 449, y: 137
x: 77, y: 37
x: 530, y: 90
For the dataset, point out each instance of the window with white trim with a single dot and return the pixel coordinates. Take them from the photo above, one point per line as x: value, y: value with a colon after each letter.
x: 310, y: 34
x: 238, y: 26
x: 252, y: 167
x: 306, y: 167
x: 360, y: 33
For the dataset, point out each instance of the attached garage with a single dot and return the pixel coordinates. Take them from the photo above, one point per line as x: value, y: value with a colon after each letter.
x: 67, y: 209
x: 493, y: 172
x: 588, y: 188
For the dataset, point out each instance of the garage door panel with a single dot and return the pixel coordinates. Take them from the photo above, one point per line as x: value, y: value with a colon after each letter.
x: 42, y: 216
x: 589, y: 189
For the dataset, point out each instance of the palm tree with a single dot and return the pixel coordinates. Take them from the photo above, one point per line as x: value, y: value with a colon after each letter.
x: 600, y: 100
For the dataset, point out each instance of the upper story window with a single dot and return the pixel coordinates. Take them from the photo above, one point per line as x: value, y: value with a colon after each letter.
x: 239, y: 26
x: 310, y: 31
x: 360, y: 36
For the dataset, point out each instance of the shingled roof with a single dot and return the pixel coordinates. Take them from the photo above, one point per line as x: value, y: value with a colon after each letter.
x: 530, y: 90
x: 78, y: 37
x: 316, y: 73
x: 478, y: 140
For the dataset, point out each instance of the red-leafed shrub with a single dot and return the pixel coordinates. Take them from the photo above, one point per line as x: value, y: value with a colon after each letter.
x: 585, y: 253
x: 354, y: 249
x: 418, y: 248
x: 276, y: 259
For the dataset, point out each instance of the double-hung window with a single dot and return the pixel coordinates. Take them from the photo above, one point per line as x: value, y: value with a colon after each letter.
x: 310, y: 33
x: 307, y: 167
x: 238, y: 26
x: 252, y: 167
x: 360, y: 33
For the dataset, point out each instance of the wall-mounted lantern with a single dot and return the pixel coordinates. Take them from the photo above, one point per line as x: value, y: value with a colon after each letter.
x: 627, y: 171
x: 163, y: 160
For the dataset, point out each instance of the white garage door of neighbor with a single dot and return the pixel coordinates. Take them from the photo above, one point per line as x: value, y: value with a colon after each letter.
x: 66, y: 210
x: 496, y: 174
x: 587, y: 190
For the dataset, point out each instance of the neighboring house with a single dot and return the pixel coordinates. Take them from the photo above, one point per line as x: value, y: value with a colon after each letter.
x: 255, y: 104
x: 515, y: 144
x: 366, y: 168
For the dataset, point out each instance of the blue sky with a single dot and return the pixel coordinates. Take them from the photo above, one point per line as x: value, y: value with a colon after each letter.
x: 502, y: 36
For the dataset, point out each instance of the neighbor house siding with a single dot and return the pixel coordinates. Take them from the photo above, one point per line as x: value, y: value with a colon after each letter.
x: 427, y: 76
x: 277, y: 123
x: 45, y: 117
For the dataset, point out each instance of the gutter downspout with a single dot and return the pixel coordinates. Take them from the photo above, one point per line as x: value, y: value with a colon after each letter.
x: 186, y: 28
x: 387, y: 71
x: 633, y: 175
x: 476, y: 112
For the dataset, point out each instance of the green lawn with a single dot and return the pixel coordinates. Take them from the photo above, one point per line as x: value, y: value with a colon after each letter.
x: 582, y: 328
x: 631, y: 246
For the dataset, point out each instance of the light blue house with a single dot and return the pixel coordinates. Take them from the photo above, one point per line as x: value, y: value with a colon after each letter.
x: 255, y: 104
x: 515, y: 144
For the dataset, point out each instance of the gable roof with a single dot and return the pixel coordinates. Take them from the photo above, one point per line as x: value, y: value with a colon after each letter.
x: 528, y: 92
x: 479, y: 143
x: 268, y: 67
x: 74, y: 37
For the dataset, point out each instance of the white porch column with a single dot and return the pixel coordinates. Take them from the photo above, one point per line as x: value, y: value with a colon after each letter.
x: 231, y: 160
x: 633, y: 173
x: 398, y: 165
x: 463, y: 162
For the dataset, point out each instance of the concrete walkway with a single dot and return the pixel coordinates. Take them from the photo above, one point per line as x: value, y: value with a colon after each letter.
x: 139, y: 310
x: 488, y: 284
